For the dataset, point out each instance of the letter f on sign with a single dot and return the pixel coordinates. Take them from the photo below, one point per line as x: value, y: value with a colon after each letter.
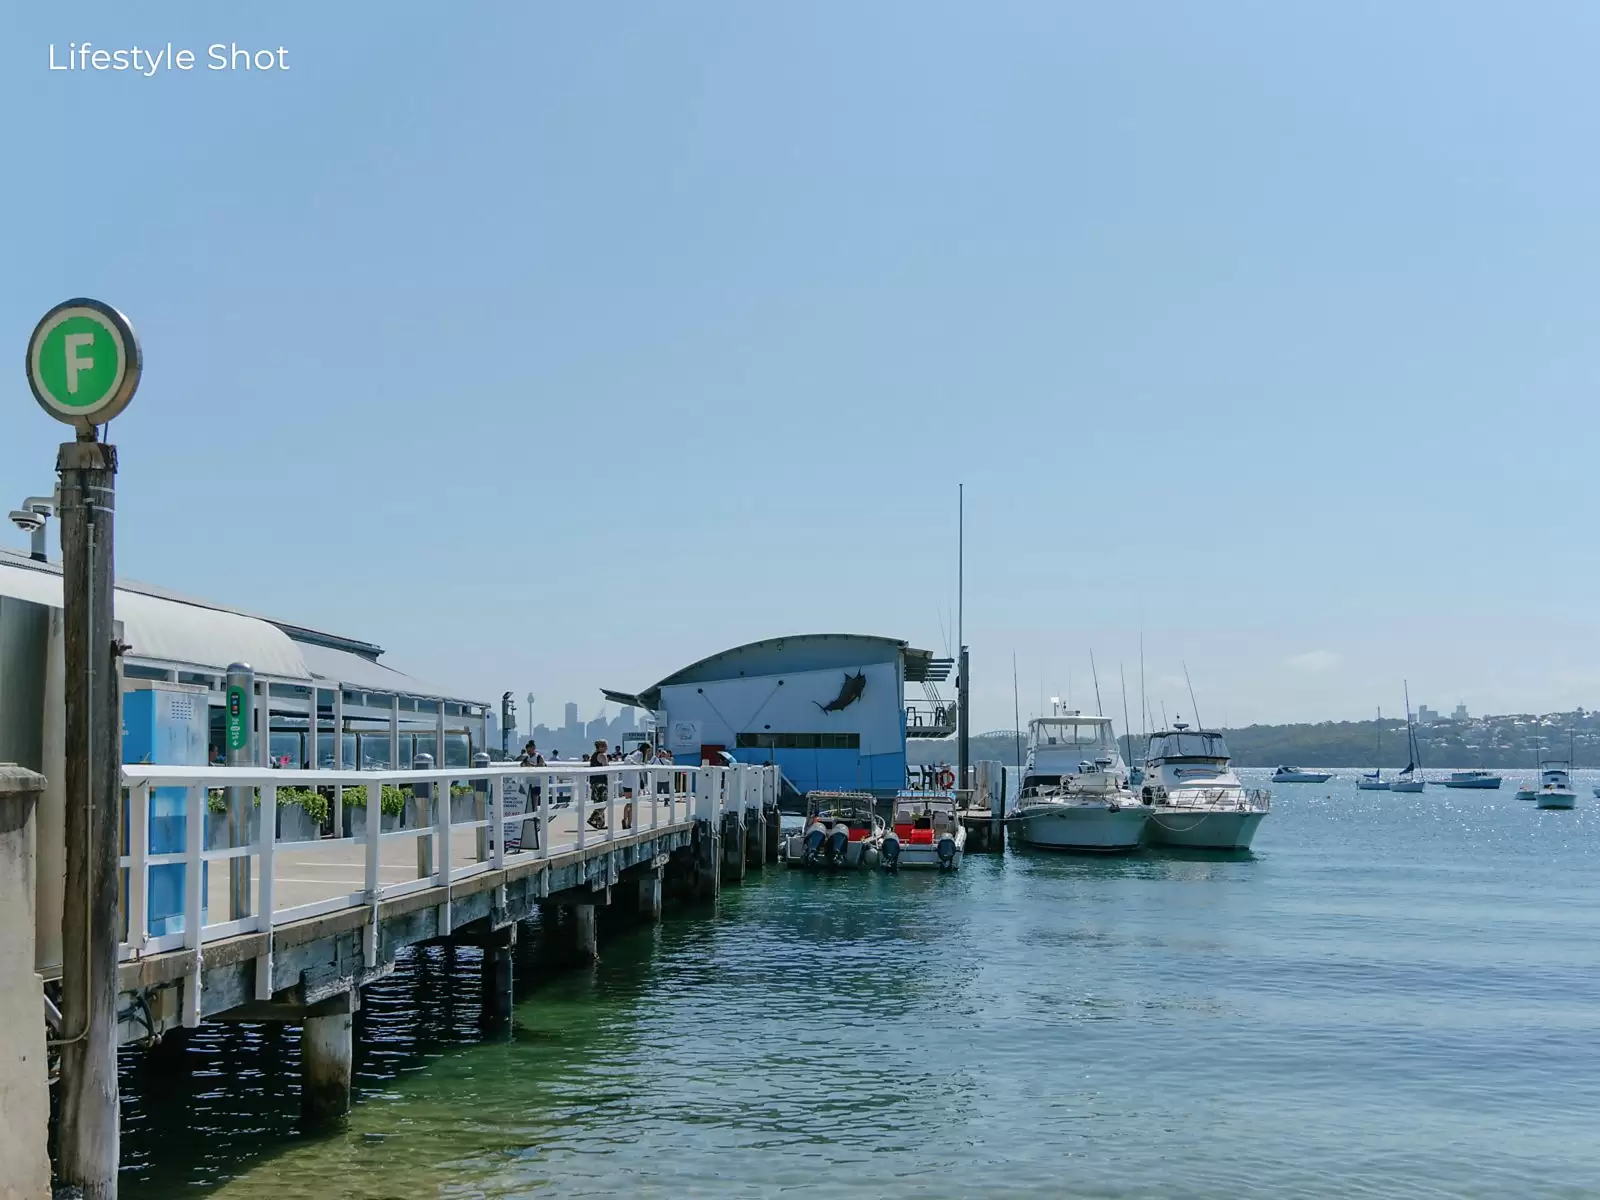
x: 75, y: 361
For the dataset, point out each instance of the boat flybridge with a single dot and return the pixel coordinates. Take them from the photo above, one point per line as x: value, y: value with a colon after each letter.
x: 842, y: 830
x: 1074, y: 793
x: 926, y: 832
x: 1196, y: 799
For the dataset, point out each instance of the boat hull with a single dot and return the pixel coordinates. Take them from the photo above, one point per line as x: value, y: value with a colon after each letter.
x: 1373, y: 785
x: 1202, y: 830
x: 1084, y: 827
x: 1491, y: 784
x: 925, y: 857
x: 1557, y: 799
x: 1405, y: 785
x: 1303, y: 777
x: 1530, y: 794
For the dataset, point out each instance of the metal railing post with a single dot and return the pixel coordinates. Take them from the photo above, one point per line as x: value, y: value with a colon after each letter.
x: 138, y: 914
x: 497, y: 821
x: 580, y: 802
x: 266, y: 843
x: 193, y: 897
x: 547, y: 785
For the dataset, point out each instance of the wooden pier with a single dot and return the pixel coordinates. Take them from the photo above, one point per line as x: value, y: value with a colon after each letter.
x: 329, y: 915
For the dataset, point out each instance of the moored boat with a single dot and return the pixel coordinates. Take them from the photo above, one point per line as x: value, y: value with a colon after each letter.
x: 842, y: 831
x: 925, y: 831
x: 1195, y: 798
x: 1472, y: 779
x: 1299, y: 775
x: 1374, y: 781
x: 1074, y: 793
x: 1410, y: 779
x: 1555, y: 785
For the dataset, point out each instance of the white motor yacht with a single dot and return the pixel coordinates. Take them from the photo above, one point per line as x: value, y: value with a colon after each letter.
x: 1196, y: 800
x: 1074, y: 793
x: 1555, y: 786
x: 1299, y: 775
x: 926, y: 832
x: 842, y: 831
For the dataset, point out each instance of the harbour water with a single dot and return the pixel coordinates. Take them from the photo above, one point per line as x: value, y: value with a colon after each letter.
x: 1394, y: 995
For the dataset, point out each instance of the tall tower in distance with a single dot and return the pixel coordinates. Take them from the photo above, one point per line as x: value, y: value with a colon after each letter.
x: 571, y: 715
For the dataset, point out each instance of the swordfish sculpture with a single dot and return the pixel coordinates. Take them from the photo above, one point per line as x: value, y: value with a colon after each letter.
x: 854, y: 685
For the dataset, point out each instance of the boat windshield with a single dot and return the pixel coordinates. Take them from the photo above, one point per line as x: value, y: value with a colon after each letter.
x: 1188, y: 745
x: 1070, y: 734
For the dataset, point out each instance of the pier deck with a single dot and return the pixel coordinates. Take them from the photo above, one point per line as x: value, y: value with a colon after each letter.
x: 326, y: 916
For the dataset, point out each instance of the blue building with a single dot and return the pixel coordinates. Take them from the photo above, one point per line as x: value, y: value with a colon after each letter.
x: 828, y: 708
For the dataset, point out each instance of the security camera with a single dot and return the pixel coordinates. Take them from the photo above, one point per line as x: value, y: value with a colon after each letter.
x: 28, y: 522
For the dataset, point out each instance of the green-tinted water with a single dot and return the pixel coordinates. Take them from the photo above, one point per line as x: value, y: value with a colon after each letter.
x: 1395, y: 996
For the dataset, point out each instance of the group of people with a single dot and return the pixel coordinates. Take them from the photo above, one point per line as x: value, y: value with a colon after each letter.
x: 643, y: 755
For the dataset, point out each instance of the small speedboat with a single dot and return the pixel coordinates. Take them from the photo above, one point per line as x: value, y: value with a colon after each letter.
x: 842, y: 831
x: 1299, y: 775
x: 926, y: 832
x: 1195, y: 798
x: 1529, y: 792
x: 1555, y: 786
x: 1472, y: 779
x: 1074, y: 793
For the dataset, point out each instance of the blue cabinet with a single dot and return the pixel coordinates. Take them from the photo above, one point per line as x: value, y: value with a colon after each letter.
x: 166, y: 724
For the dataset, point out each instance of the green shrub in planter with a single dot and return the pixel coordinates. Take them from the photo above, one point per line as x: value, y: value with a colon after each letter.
x: 392, y: 804
x: 316, y: 805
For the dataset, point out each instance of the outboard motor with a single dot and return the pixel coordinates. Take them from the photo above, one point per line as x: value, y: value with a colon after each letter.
x: 811, y: 846
x: 947, y: 852
x: 838, y: 845
x: 889, y: 853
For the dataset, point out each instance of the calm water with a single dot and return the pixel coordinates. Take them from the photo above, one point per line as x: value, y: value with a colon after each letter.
x: 1394, y: 996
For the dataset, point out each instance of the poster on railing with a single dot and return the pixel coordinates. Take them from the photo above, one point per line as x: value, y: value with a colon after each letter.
x: 518, y: 803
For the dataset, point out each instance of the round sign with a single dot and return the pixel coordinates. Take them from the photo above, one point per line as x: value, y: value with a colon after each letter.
x: 83, y: 362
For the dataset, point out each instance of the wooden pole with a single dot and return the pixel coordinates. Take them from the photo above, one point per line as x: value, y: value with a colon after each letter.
x: 87, y: 1134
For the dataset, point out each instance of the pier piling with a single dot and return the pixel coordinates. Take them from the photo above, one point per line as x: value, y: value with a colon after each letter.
x: 774, y: 820
x: 327, y: 1049
x: 585, y: 938
x: 755, y: 838
x: 650, y: 896
x: 498, y: 975
x: 733, y: 846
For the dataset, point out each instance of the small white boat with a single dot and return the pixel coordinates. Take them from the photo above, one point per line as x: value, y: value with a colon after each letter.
x: 842, y: 831
x: 1300, y: 775
x: 1407, y: 781
x: 926, y: 831
x: 1555, y: 786
x: 1074, y: 793
x: 1529, y: 792
x: 1195, y: 798
x: 1472, y: 779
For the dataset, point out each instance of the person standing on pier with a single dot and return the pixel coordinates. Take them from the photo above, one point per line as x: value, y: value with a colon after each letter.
x: 597, y: 784
x: 531, y: 756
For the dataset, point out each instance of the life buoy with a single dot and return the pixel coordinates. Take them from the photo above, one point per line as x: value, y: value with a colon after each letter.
x: 947, y: 779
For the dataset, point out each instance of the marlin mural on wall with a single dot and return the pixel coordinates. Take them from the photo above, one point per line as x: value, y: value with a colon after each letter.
x: 854, y: 685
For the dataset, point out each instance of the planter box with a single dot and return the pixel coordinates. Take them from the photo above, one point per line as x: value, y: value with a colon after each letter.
x: 218, y: 836
x: 295, y: 824
x: 355, y: 822
x: 465, y: 808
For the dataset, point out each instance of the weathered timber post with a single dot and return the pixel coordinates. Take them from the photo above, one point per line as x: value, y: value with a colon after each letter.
x: 24, y: 1086
x: 650, y: 896
x: 87, y: 1142
x: 708, y: 861
x: 755, y: 837
x: 327, y: 1050
x: 733, y: 857
x: 774, y: 820
x: 498, y: 976
x: 585, y: 937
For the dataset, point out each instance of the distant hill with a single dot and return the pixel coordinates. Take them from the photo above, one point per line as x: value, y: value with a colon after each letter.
x: 1497, y: 742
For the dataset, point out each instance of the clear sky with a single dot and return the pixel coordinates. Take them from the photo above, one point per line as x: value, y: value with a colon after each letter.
x: 1268, y: 330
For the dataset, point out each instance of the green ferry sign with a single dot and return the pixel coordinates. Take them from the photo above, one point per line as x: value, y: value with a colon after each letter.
x: 238, y: 735
x: 83, y: 362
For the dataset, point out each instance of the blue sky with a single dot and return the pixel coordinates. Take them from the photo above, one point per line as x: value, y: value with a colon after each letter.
x: 1267, y: 330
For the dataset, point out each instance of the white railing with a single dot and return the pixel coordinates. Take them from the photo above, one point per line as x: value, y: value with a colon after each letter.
x: 1233, y: 799
x: 570, y: 808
